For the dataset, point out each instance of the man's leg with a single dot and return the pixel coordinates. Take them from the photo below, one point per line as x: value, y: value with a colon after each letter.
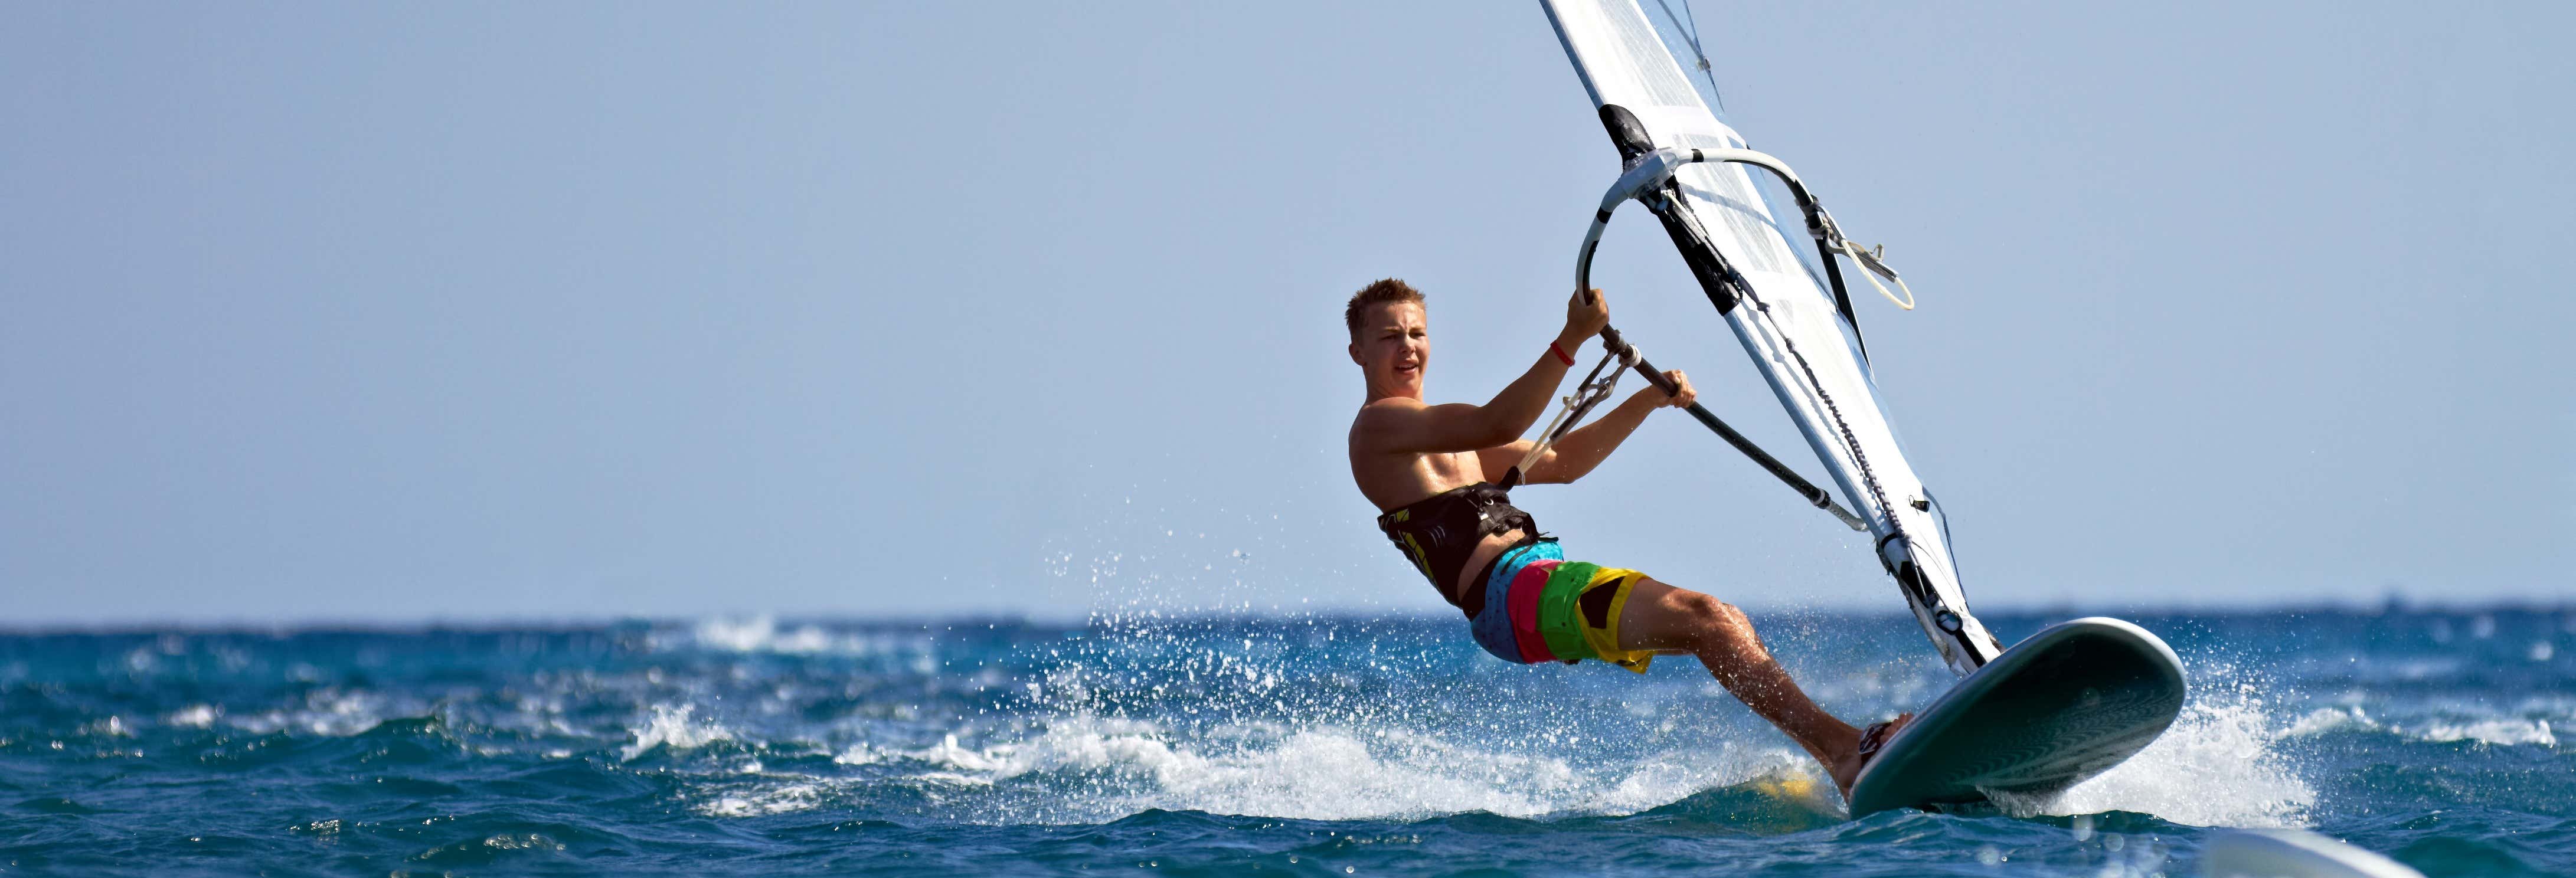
x: 1664, y: 618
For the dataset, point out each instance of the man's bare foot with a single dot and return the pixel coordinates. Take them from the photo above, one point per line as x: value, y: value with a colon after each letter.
x: 1846, y: 770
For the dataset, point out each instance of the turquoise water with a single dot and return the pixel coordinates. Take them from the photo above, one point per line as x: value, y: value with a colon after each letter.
x: 1315, y: 746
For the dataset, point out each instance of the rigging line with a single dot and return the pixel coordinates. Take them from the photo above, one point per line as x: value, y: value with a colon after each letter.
x: 1596, y: 387
x: 1590, y: 393
x: 1945, y: 616
x: 1658, y: 165
x: 1874, y: 263
x: 1851, y: 441
x: 1649, y: 179
x: 1948, y: 618
x: 1670, y: 194
x: 1815, y: 385
x: 1690, y: 33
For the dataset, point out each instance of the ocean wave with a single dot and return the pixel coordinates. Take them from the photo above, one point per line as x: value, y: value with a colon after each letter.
x: 674, y: 728
x: 763, y: 634
x: 1320, y: 772
x: 332, y: 713
x: 2483, y: 728
x: 2330, y: 719
x: 194, y: 716
x: 2496, y: 732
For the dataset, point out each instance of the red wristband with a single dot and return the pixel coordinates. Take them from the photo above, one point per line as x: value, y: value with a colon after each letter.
x: 1561, y: 355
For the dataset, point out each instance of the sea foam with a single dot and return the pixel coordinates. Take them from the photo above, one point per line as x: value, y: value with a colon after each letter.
x: 673, y: 727
x: 1109, y: 768
x: 2221, y: 764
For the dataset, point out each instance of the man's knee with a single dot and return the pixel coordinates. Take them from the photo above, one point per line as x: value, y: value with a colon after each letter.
x: 1706, y: 612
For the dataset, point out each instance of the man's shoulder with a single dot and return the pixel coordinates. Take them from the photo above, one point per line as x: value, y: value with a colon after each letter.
x: 1392, y: 403
x: 1375, y: 412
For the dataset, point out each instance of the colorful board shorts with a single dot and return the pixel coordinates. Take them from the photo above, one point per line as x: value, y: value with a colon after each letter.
x: 1540, y: 607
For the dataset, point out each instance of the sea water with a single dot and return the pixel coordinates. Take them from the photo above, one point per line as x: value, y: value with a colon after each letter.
x: 1310, y: 745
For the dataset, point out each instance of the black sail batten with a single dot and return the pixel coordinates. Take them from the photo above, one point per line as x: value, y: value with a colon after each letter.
x: 1842, y: 299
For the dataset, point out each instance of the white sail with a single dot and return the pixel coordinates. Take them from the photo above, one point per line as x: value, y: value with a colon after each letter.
x: 1787, y: 320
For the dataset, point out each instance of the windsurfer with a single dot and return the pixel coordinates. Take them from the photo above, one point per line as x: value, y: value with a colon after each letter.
x: 1432, y: 469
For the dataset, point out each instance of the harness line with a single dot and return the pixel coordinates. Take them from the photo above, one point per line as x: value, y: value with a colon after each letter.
x: 1596, y: 387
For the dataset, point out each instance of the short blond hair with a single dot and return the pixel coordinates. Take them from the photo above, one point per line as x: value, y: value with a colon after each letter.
x: 1382, y: 291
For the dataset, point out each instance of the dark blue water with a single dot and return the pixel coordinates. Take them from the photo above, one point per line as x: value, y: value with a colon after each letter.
x: 1316, y: 746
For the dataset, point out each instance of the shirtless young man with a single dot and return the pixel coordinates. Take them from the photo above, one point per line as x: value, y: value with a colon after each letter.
x: 1431, y: 469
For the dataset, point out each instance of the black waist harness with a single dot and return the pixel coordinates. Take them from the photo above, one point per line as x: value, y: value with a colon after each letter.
x: 1440, y: 532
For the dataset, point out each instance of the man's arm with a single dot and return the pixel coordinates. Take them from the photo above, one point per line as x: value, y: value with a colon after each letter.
x: 1575, y: 455
x: 1400, y: 425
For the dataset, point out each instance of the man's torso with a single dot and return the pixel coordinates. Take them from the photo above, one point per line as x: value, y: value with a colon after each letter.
x: 1393, y: 480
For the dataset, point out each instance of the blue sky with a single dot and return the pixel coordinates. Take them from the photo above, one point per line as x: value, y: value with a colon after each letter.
x: 469, y: 311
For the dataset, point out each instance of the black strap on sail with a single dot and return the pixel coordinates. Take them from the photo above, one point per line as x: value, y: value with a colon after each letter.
x: 1715, y: 277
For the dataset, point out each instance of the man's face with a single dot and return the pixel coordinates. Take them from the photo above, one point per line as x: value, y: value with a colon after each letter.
x: 1393, y: 345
